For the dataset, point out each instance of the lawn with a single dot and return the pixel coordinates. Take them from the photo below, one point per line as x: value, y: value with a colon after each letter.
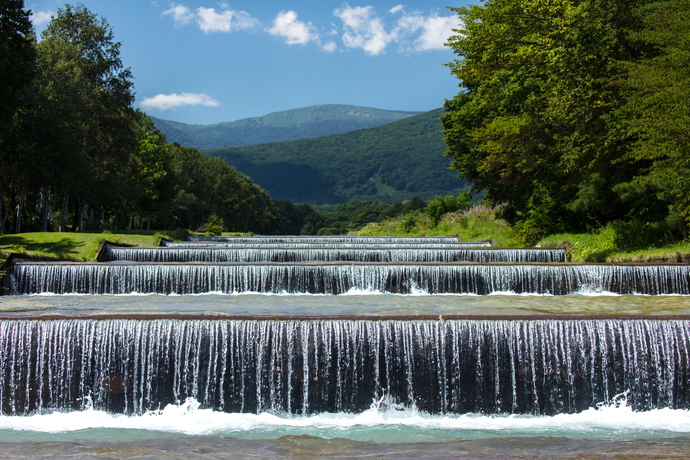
x: 78, y: 246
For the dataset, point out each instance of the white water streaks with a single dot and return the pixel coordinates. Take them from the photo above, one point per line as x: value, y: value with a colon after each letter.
x: 336, y: 253
x: 338, y: 278
x: 541, y: 367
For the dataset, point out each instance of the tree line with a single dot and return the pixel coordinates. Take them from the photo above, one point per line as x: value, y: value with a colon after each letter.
x: 75, y: 154
x: 574, y: 114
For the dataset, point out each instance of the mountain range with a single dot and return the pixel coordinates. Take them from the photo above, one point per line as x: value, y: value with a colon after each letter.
x: 392, y: 162
x: 399, y: 157
x: 306, y: 122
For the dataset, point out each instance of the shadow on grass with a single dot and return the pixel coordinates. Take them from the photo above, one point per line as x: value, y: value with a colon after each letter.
x: 62, y: 248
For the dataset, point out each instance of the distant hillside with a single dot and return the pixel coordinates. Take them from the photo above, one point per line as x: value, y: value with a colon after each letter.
x: 307, y: 122
x: 389, y: 163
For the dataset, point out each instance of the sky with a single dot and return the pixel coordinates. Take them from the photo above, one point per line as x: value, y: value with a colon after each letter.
x: 205, y: 61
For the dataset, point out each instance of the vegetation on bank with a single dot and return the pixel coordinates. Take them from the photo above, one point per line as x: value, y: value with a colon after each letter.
x: 77, y: 246
x: 574, y: 114
x: 616, y: 243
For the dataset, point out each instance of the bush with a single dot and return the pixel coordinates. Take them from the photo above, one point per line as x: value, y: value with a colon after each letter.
x: 633, y: 235
x: 328, y: 231
x: 214, y: 226
x: 440, y: 206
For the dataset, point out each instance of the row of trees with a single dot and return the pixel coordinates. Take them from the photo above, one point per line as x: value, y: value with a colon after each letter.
x: 75, y: 154
x: 575, y: 113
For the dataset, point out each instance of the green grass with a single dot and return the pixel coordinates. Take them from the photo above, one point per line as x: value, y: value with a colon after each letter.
x: 480, y: 223
x: 77, y: 246
x: 476, y: 224
x: 601, y: 247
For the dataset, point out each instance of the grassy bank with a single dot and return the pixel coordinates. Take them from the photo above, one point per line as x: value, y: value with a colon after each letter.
x: 476, y: 224
x: 480, y: 223
x: 603, y: 247
x: 77, y: 246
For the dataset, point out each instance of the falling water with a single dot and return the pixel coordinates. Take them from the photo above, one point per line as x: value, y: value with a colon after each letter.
x: 320, y: 244
x: 306, y: 367
x: 272, y: 254
x: 340, y: 239
x: 338, y: 278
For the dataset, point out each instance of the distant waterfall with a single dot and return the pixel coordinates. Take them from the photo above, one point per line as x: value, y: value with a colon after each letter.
x: 318, y: 244
x: 305, y: 367
x: 338, y: 278
x: 339, y: 239
x: 385, y: 255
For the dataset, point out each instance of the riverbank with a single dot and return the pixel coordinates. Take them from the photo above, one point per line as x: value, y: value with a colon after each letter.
x: 480, y: 224
x: 477, y: 224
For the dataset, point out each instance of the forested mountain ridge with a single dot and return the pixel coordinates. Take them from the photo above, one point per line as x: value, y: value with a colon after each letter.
x: 305, y: 122
x: 392, y: 162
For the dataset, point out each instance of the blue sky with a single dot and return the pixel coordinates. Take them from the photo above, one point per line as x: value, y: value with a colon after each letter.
x: 205, y: 61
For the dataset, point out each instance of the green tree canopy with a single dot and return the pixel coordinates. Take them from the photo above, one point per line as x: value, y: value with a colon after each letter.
x: 656, y: 114
x: 531, y: 125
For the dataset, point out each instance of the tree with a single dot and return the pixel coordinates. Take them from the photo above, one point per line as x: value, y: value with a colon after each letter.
x: 17, y: 66
x: 656, y: 115
x: 531, y: 126
x: 17, y: 58
x: 79, y: 48
x: 440, y: 206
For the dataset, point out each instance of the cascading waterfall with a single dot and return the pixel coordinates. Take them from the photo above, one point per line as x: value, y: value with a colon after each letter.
x: 271, y: 254
x: 305, y: 367
x: 340, y: 239
x: 338, y: 278
x: 319, y: 244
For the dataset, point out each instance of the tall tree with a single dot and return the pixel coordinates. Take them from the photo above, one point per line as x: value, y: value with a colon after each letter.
x: 656, y: 115
x: 17, y: 63
x: 530, y: 126
x: 17, y: 58
x: 78, y: 47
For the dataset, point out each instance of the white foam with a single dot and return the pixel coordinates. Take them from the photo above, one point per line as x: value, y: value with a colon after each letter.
x: 188, y: 418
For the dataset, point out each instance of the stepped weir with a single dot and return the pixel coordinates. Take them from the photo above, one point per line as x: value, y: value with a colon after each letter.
x: 539, y: 365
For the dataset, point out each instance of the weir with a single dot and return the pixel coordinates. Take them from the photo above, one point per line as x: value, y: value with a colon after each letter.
x: 339, y: 239
x: 293, y: 365
x: 321, y: 244
x: 339, y: 278
x: 343, y: 253
x: 305, y: 367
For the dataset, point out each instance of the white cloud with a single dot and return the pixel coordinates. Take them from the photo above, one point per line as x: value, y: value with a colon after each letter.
x: 180, y: 14
x: 329, y: 47
x: 173, y: 101
x: 287, y: 25
x: 434, y: 30
x: 363, y: 29
x: 39, y: 18
x: 209, y: 20
x: 225, y: 21
x: 396, y: 8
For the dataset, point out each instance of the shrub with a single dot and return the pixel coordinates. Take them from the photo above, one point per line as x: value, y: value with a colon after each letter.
x: 214, y: 226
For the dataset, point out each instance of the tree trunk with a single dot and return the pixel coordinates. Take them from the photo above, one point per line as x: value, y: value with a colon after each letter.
x: 44, y: 209
x: 4, y: 211
x: 20, y: 210
x: 63, y: 214
x: 83, y: 211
